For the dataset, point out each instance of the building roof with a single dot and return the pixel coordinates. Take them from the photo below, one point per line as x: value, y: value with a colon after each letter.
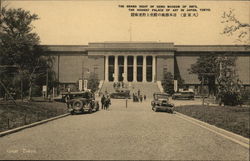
x: 66, y: 48
x: 213, y: 48
x: 146, y: 46
x: 131, y: 46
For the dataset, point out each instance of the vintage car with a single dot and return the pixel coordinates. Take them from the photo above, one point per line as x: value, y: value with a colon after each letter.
x: 161, y: 103
x: 80, y: 102
x: 120, y: 94
x: 183, y: 95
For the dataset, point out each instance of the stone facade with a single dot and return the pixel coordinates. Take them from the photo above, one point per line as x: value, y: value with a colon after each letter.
x: 139, y: 61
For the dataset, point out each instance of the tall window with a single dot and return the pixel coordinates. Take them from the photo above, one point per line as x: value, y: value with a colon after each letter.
x: 111, y: 68
x: 139, y: 68
x: 149, y: 61
x: 130, y: 68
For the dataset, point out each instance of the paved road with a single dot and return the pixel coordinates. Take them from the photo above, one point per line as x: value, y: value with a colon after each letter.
x: 132, y: 133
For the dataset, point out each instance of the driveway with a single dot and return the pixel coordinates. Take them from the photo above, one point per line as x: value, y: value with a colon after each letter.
x: 121, y: 133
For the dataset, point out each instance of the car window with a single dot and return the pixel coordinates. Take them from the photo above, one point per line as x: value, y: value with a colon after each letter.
x: 161, y: 97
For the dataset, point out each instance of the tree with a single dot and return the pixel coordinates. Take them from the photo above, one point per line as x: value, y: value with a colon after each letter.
x: 229, y: 85
x: 210, y: 67
x: 206, y: 66
x: 168, y: 83
x: 220, y: 69
x: 235, y: 26
x: 19, y: 46
x: 93, y: 82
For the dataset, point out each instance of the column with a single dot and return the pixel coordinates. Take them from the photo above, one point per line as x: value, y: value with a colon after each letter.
x: 153, y: 68
x: 135, y: 69
x: 125, y: 73
x: 106, y: 68
x: 116, y: 69
x: 144, y: 70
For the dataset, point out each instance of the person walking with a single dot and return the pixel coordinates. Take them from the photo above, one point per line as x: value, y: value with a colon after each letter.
x: 140, y: 97
x: 103, y: 101
x: 107, y: 103
x: 145, y: 97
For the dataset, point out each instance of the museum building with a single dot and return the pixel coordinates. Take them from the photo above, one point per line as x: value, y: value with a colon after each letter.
x: 143, y: 62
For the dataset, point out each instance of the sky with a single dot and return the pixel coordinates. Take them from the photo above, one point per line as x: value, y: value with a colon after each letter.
x: 64, y: 22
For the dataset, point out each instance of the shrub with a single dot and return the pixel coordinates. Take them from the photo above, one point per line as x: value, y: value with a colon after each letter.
x: 168, y: 83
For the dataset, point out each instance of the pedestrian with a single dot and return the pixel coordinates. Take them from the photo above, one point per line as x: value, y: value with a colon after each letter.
x: 103, y: 101
x: 140, y: 98
x: 145, y: 97
x: 67, y: 99
x: 107, y: 103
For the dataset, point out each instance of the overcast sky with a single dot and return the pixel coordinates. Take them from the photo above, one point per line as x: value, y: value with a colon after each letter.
x: 80, y: 22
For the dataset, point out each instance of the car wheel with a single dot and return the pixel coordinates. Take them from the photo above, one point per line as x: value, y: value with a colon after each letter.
x: 77, y: 105
x: 90, y: 110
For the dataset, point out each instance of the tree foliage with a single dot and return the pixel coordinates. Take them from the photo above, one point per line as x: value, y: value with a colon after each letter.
x: 234, y: 26
x: 229, y: 85
x: 19, y: 46
x: 93, y: 82
x: 168, y: 83
x: 220, y: 75
x: 206, y: 66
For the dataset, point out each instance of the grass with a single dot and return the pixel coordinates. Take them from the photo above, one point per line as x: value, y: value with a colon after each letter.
x: 12, y: 116
x: 234, y: 119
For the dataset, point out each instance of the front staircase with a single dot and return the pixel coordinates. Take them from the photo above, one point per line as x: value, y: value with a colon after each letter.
x: 146, y: 88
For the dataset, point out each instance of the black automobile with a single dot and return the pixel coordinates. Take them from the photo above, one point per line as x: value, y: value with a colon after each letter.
x: 161, y: 103
x: 183, y: 95
x: 120, y: 94
x: 80, y: 102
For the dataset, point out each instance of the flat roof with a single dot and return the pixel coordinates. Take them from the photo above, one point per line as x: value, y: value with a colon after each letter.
x: 146, y: 46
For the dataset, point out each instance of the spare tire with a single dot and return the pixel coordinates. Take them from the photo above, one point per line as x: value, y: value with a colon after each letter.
x: 77, y: 105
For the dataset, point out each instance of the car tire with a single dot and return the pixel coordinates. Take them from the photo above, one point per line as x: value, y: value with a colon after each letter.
x: 77, y: 104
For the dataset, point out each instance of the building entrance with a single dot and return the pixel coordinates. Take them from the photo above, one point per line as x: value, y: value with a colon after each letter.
x: 120, y: 68
x: 139, y: 68
x: 130, y: 68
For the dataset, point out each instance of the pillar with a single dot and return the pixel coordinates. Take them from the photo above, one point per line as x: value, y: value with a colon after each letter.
x: 125, y: 73
x: 144, y: 70
x: 153, y: 69
x: 106, y: 68
x: 135, y: 69
x: 116, y: 69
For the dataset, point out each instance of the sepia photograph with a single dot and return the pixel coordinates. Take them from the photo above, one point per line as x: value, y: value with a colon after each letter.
x: 124, y: 79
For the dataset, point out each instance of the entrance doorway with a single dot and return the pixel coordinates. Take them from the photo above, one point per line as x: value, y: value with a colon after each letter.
x: 130, y: 68
x: 120, y: 68
x: 139, y: 68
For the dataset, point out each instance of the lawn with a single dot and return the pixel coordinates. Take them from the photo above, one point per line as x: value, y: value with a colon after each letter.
x: 234, y: 119
x: 12, y: 116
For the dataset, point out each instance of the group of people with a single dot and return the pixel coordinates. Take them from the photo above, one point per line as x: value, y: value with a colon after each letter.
x: 106, y: 102
x: 119, y: 85
x: 138, y: 98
